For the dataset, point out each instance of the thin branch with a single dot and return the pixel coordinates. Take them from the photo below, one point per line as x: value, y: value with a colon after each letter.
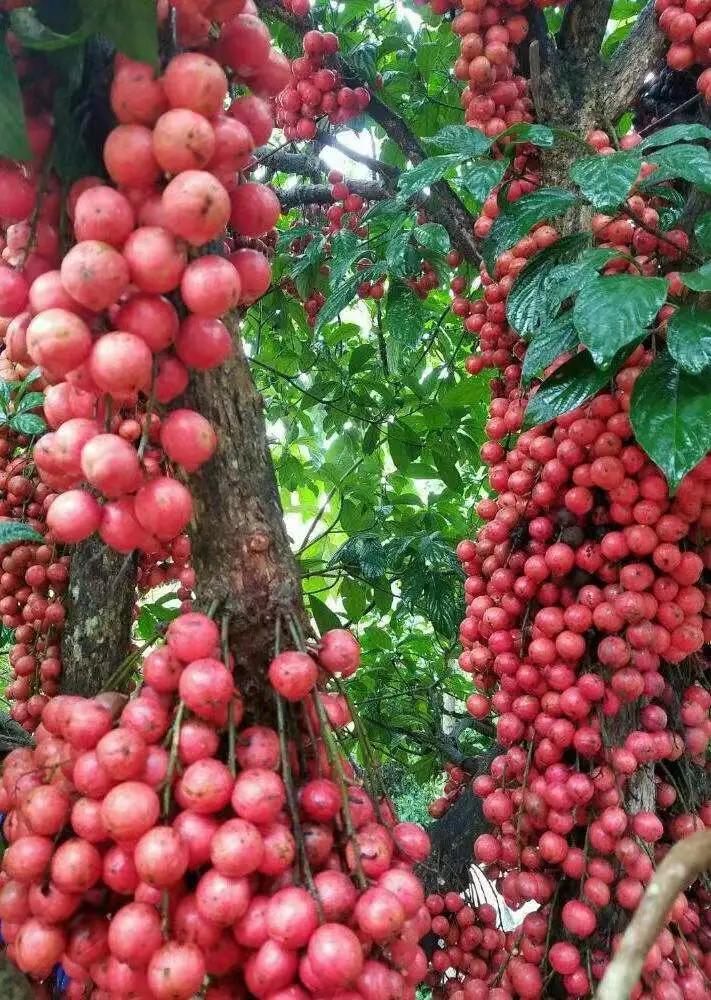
x: 320, y: 194
x: 386, y: 169
x: 444, y: 203
x: 682, y: 865
x: 641, y: 53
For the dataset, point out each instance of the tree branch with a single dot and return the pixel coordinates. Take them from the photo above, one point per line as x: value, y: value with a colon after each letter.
x: 582, y: 31
x: 642, y: 52
x: 320, y: 194
x: 443, y: 202
x: 683, y: 864
x: 386, y: 169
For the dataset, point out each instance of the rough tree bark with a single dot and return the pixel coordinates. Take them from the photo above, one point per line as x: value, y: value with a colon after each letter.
x: 241, y: 551
x: 99, y: 604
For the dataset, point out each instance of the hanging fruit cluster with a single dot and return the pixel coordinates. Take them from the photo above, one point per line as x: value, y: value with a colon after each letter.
x: 142, y: 869
x: 584, y: 620
x: 688, y: 28
x: 317, y: 91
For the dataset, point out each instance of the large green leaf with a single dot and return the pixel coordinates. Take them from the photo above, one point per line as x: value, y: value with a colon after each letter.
x: 690, y: 163
x: 336, y: 301
x: 14, y: 143
x: 685, y: 132
x: 519, y: 217
x: 17, y: 531
x: 132, y: 26
x: 611, y: 312
x: 403, y: 320
x: 572, y: 384
x: 606, y: 180
x: 670, y: 416
x: 432, y: 236
x: 469, y: 391
x: 482, y: 176
x: 425, y: 174
x: 549, y: 343
x: 698, y: 281
x: 537, y: 135
x: 689, y: 338
x: 526, y: 306
x: 33, y: 33
x: 323, y: 616
x: 702, y: 232
x: 462, y: 140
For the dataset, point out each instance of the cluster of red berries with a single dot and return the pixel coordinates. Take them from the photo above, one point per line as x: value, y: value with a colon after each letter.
x: 316, y: 91
x: 132, y: 249
x: 584, y: 598
x: 687, y: 25
x: 454, y: 787
x: 149, y: 872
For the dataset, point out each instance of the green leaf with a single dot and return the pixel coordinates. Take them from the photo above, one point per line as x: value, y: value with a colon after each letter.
x: 14, y: 143
x: 360, y: 356
x: 35, y: 34
x: 548, y: 344
x: 568, y: 387
x: 72, y: 155
x: 462, y: 140
x: 30, y: 402
x: 527, y: 308
x: 28, y: 423
x: 446, y: 465
x: 370, y: 439
x: 363, y: 554
x: 425, y: 174
x: 323, y: 616
x: 686, y: 132
x: 354, y: 598
x: 483, y: 176
x: 691, y: 163
x: 469, y: 391
x: 702, y: 232
x: 17, y: 531
x: 689, y: 338
x: 537, y: 135
x: 403, y: 320
x: 132, y: 26
x: 606, y: 180
x: 396, y: 254
x: 518, y: 217
x: 698, y: 281
x: 611, y: 312
x: 363, y: 60
x: 403, y: 444
x: 433, y: 236
x: 669, y: 414
x: 336, y: 301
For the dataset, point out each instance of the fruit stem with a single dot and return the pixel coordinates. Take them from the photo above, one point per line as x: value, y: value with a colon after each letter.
x: 364, y: 740
x: 224, y: 636
x: 337, y: 769
x: 294, y: 807
x: 143, y: 443
x: 173, y: 759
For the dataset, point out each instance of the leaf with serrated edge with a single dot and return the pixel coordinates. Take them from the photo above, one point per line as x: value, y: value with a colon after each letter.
x: 606, y: 180
x: 549, y: 343
x: 669, y: 415
x: 17, y: 531
x: 569, y: 386
x: 520, y: 216
x: 611, y: 312
x: 689, y: 338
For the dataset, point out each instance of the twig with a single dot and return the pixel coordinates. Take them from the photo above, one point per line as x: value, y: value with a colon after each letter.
x: 686, y: 860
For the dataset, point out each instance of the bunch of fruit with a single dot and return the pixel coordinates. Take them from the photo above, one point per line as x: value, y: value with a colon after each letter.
x: 317, y: 91
x: 687, y: 25
x: 144, y: 856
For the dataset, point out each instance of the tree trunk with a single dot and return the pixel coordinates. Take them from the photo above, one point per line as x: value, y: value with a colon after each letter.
x: 99, y: 604
x: 241, y: 552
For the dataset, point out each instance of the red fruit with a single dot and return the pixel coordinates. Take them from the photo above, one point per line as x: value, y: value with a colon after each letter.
x: 196, y: 207
x: 293, y: 675
x: 335, y: 956
x: 76, y: 866
x: 161, y: 857
x: 187, y: 438
x: 203, y: 343
x: 210, y: 286
x: 135, y: 934
x: 95, y: 274
x: 339, y: 652
x: 38, y: 947
x: 155, y: 258
x: 192, y: 636
x: 129, y: 810
x: 195, y: 81
x: 205, y: 787
x: 255, y: 209
x: 150, y: 317
x: 163, y: 507
x: 58, y: 340
x: 176, y: 971
x: 320, y: 800
x: 237, y: 848
x: 258, y: 795
x: 291, y: 917
x: 255, y: 274
x: 104, y: 214
x: 111, y: 465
